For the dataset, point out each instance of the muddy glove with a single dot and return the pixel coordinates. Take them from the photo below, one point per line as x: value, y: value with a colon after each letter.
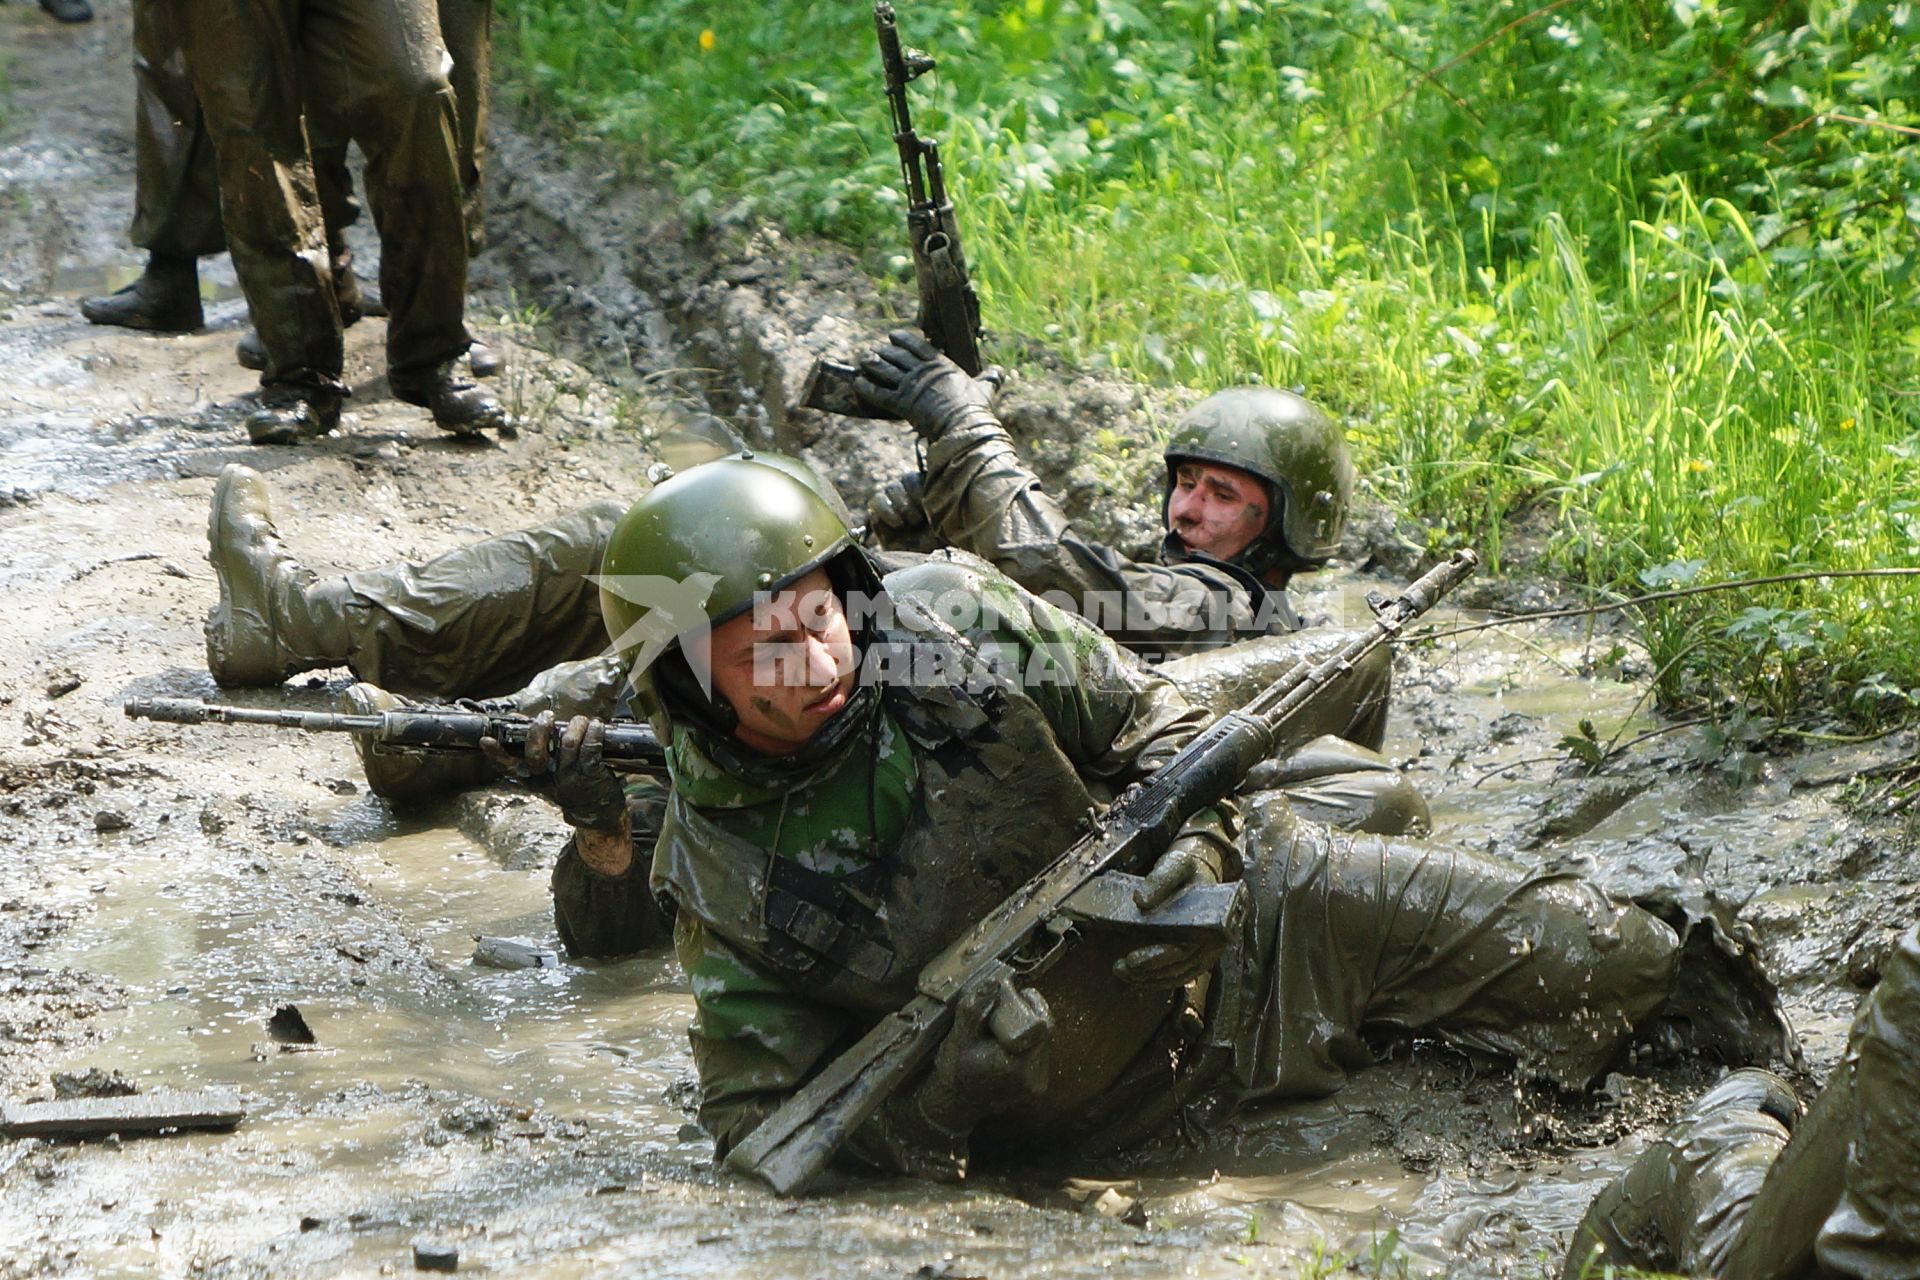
x: 589, y: 793
x: 975, y: 1074
x: 911, y: 380
x: 899, y: 507
x: 1191, y: 860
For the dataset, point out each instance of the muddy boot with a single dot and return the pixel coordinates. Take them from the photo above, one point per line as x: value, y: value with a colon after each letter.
x: 484, y: 361
x: 289, y: 415
x: 251, y: 352
x: 275, y: 617
x: 456, y: 403
x: 165, y: 299
x: 1681, y: 1205
x: 409, y: 776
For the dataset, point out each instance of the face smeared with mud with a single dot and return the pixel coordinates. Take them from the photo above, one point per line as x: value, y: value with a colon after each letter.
x: 786, y: 666
x: 1216, y: 510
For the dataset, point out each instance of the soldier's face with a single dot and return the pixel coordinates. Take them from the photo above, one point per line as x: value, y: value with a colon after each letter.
x: 1216, y: 510
x: 786, y: 666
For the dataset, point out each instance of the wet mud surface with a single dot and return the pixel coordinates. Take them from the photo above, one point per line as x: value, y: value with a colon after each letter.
x: 164, y: 890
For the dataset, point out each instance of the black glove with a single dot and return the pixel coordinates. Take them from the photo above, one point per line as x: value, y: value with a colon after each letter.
x: 1189, y: 861
x: 589, y: 793
x: 898, y: 508
x: 974, y: 1075
x: 911, y: 380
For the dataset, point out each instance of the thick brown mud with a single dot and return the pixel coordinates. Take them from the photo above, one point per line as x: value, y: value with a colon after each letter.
x: 164, y: 890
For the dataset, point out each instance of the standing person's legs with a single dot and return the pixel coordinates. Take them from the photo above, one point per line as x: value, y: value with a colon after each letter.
x: 387, y: 67
x: 176, y: 189
x: 243, y: 55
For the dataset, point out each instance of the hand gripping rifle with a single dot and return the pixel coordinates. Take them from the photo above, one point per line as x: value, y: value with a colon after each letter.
x: 949, y: 310
x: 630, y: 747
x: 789, y: 1148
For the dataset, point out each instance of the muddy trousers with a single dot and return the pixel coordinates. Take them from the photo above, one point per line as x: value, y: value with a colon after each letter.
x: 479, y: 621
x: 1743, y: 1188
x: 385, y: 66
x: 1348, y: 936
x: 176, y: 202
x: 1329, y: 762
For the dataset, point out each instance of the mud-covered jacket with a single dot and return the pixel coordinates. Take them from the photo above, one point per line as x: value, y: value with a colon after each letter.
x: 809, y: 892
x: 981, y: 497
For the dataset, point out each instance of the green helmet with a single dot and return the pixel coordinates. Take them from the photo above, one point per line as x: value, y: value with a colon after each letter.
x: 696, y: 548
x: 1286, y: 441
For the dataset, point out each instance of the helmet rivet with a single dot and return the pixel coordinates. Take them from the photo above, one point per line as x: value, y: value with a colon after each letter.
x: 1323, y: 498
x: 766, y: 579
x: 659, y: 473
x: 808, y: 539
x: 746, y: 455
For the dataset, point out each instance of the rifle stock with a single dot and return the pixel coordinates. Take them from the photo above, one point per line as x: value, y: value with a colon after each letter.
x: 792, y: 1146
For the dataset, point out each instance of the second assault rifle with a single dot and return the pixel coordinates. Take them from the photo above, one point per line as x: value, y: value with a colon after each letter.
x: 1024, y: 934
x: 949, y: 310
x: 630, y: 747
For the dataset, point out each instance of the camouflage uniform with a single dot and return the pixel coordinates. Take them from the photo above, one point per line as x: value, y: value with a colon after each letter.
x: 809, y: 889
x: 1747, y: 1187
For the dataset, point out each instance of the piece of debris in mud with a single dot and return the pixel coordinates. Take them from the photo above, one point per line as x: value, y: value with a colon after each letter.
x: 62, y: 682
x: 432, y: 1255
x: 92, y: 1083
x: 111, y: 818
x: 511, y: 953
x: 162, y: 1112
x: 289, y: 1026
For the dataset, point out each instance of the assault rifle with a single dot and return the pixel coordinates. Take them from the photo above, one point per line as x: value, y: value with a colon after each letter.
x: 1025, y: 933
x: 630, y: 747
x: 949, y: 309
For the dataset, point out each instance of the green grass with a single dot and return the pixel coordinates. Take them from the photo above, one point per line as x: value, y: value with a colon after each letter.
x: 1603, y: 265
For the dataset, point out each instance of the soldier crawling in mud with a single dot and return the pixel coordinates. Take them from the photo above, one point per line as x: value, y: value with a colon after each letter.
x: 1257, y: 487
x: 832, y: 825
x: 1749, y: 1185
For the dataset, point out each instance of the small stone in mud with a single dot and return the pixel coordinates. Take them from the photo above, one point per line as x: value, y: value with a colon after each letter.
x: 342, y: 787
x: 433, y: 1256
x: 111, y: 818
x: 63, y: 682
x: 289, y: 1026
x: 511, y: 953
x: 311, y: 1223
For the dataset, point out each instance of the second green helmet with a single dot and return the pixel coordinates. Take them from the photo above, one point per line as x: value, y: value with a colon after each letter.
x: 695, y: 549
x: 1299, y: 452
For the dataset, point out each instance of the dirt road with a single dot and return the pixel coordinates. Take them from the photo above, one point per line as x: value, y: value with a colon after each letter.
x: 164, y: 890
